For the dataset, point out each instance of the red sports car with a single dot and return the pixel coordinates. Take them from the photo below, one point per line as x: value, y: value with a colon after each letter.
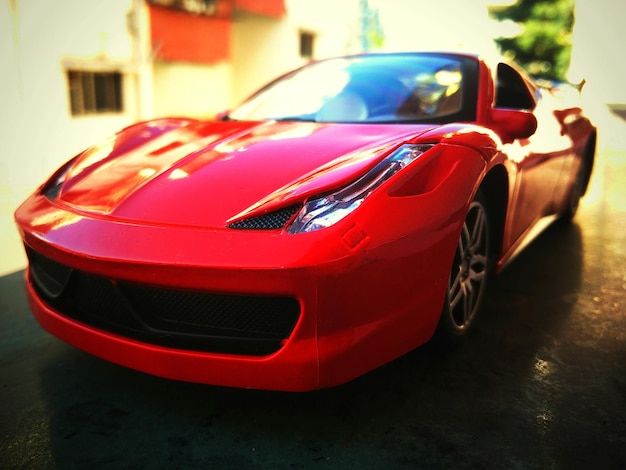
x: 337, y: 219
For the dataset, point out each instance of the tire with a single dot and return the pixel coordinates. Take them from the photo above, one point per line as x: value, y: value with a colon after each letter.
x: 580, y: 183
x: 469, y: 274
x: 576, y: 193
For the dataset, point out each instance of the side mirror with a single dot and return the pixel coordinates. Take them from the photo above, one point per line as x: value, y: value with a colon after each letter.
x: 513, y: 124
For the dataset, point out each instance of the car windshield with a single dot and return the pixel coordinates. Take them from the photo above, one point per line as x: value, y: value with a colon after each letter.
x: 369, y: 88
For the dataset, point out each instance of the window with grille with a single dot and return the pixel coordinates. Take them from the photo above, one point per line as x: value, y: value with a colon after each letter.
x: 95, y: 92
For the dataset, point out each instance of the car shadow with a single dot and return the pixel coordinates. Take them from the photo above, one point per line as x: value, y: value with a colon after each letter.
x: 427, y: 409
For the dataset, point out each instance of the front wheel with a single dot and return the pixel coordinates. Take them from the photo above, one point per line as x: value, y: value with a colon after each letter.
x: 469, y: 273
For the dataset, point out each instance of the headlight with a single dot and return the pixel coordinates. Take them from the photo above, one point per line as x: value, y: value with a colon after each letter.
x: 325, y: 211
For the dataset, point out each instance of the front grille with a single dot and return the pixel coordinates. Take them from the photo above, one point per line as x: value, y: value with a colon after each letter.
x: 52, y: 277
x: 270, y: 221
x: 194, y: 312
x: 234, y: 324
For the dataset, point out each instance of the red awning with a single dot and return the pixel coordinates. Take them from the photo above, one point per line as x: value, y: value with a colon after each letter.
x: 270, y: 8
x: 181, y: 37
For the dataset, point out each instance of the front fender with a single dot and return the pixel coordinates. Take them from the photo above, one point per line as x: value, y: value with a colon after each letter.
x: 385, y: 298
x: 481, y: 139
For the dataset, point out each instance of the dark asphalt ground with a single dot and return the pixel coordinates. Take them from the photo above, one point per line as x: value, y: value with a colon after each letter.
x: 541, y: 384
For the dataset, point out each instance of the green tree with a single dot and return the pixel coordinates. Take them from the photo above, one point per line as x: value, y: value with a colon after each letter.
x: 543, y: 48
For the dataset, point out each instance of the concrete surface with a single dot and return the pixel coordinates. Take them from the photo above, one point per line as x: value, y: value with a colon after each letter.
x: 541, y: 384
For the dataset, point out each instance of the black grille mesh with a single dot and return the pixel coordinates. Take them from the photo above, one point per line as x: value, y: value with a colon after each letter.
x: 200, y: 312
x: 52, y: 192
x: 235, y: 324
x: 270, y: 221
x: 51, y: 276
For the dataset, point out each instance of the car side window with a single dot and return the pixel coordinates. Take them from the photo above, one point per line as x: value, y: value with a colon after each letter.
x: 511, y: 90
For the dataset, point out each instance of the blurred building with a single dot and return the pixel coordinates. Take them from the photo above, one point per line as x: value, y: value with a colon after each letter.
x: 459, y: 25
x: 598, y: 42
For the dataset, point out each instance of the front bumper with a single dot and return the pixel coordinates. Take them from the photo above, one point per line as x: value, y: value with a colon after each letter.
x: 294, y: 368
x: 357, y: 308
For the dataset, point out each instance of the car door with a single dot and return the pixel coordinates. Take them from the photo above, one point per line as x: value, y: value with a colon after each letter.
x: 537, y: 161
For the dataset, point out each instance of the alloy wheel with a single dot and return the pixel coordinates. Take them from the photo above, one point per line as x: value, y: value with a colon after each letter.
x: 469, y: 272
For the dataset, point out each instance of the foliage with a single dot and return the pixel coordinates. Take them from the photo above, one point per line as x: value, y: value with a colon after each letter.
x: 372, y: 35
x: 543, y: 48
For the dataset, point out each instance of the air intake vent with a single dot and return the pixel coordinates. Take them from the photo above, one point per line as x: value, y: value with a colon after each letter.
x: 270, y: 221
x: 252, y: 325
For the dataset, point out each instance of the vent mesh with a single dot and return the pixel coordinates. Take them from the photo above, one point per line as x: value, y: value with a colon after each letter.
x: 270, y: 221
x: 202, y: 321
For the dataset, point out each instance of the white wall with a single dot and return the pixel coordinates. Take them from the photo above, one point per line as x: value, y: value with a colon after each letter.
x: 443, y: 25
x: 597, y: 56
x: 38, y: 40
x: 598, y: 53
x: 193, y: 90
x: 336, y: 24
x: 261, y: 49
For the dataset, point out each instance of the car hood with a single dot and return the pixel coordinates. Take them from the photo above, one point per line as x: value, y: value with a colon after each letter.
x: 210, y: 173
